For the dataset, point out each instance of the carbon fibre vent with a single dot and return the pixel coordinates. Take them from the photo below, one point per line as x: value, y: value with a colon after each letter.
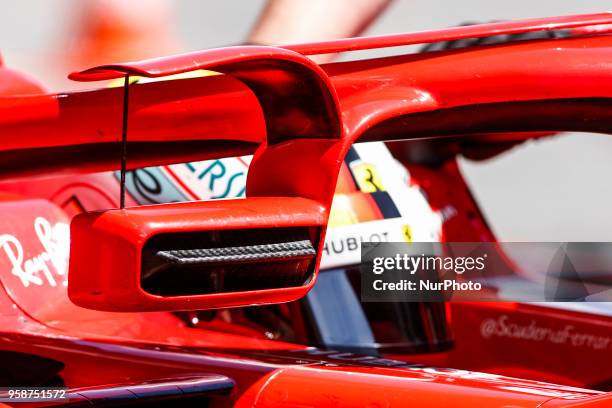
x: 228, y: 261
x: 266, y: 252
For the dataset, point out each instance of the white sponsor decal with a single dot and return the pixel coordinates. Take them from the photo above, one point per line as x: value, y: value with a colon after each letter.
x: 52, y: 261
x: 502, y: 326
x: 343, y: 244
x: 212, y: 179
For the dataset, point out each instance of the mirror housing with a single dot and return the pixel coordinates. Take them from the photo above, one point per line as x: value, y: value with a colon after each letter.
x: 196, y: 255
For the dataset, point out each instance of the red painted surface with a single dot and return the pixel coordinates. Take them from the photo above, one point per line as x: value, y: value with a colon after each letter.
x: 61, y: 127
x: 454, y: 33
x: 298, y: 147
x: 107, y: 248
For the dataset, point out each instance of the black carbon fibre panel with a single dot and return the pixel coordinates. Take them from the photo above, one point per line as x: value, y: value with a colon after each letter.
x: 285, y: 250
x: 224, y: 261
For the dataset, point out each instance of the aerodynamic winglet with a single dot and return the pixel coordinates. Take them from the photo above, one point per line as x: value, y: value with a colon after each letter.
x: 295, y: 94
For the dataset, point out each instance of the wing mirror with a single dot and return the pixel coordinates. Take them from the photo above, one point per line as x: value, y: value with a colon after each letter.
x: 196, y: 255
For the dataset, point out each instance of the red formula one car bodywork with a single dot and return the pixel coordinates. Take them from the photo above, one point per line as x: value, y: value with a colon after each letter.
x: 110, y: 332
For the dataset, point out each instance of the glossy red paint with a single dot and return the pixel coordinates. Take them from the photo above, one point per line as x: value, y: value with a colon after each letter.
x: 399, y: 92
x: 453, y: 86
x: 375, y: 99
x: 595, y: 29
x: 287, y: 380
x: 107, y: 249
x: 53, y: 132
x: 295, y: 94
x: 396, y: 86
x: 397, y: 388
x: 488, y: 330
x: 89, y: 122
x: 453, y: 33
x: 603, y: 401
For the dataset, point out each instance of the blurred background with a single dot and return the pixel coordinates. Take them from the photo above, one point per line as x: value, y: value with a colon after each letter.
x: 556, y: 189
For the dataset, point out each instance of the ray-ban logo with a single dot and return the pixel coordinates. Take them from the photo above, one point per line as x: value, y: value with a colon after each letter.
x: 47, y: 265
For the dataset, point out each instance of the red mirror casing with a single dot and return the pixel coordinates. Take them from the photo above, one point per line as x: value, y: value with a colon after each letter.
x: 196, y: 255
